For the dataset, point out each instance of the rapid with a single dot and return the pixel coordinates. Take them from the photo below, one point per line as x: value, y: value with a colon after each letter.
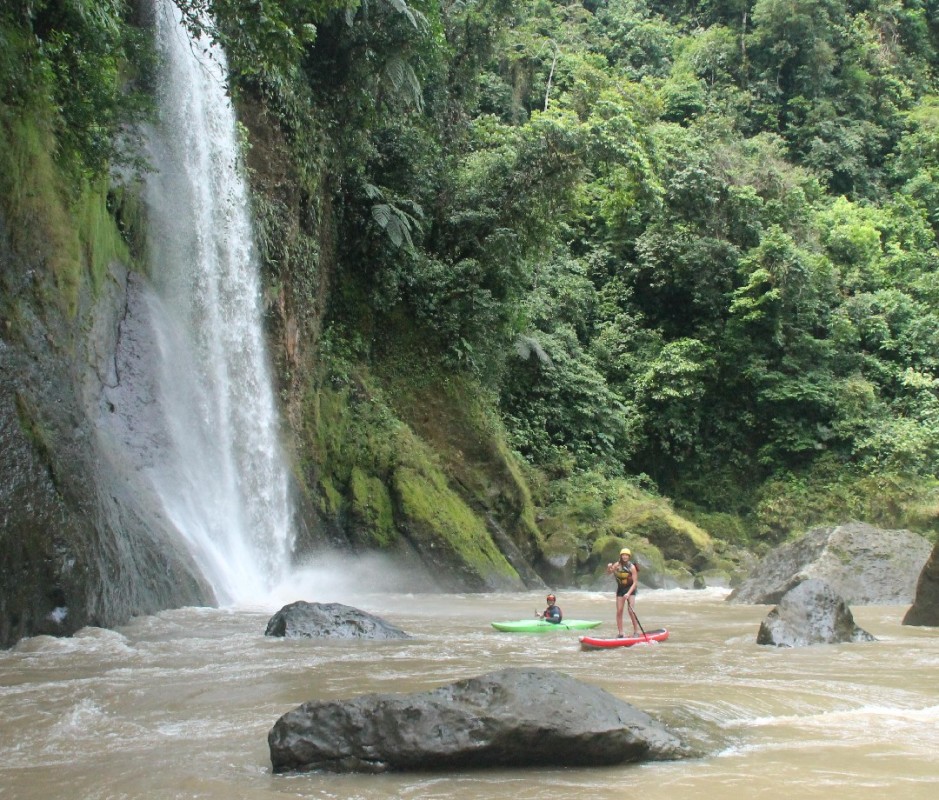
x: 178, y: 705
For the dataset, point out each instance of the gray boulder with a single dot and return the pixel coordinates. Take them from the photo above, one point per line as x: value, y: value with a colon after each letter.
x: 925, y: 608
x: 329, y: 621
x: 509, y: 718
x: 810, y: 613
x: 863, y: 564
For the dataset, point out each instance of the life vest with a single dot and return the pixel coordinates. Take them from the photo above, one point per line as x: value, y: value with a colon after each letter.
x: 623, y: 574
x: 553, y: 614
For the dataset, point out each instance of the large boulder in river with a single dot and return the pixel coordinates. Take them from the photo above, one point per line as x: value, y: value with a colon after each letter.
x: 925, y: 608
x: 509, y: 718
x: 329, y: 621
x: 811, y: 613
x: 863, y: 564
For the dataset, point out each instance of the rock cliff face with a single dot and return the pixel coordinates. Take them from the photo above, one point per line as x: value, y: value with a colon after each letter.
x: 82, y: 538
x: 79, y: 543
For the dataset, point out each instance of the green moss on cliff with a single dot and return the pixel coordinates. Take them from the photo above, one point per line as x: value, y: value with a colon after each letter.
x: 372, y: 505
x: 67, y: 233
x: 41, y: 225
x: 436, y: 517
x: 455, y: 416
x: 101, y: 241
x: 331, y: 501
x: 382, y: 477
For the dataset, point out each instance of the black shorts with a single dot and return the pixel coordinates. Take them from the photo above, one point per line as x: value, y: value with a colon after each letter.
x: 621, y: 590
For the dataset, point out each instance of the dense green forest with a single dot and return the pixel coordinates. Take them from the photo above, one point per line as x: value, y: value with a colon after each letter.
x: 684, y: 250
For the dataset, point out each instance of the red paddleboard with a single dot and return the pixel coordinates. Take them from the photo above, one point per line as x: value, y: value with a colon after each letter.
x: 596, y: 643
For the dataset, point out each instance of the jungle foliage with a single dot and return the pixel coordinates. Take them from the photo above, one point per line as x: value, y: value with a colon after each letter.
x: 688, y: 244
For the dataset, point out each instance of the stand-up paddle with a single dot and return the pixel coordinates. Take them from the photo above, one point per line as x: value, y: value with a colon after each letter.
x: 640, y: 626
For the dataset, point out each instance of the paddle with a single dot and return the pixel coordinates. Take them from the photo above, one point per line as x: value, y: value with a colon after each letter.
x: 640, y: 626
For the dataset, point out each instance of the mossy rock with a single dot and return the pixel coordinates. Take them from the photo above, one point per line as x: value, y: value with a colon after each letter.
x: 679, y: 576
x: 330, y: 500
x: 714, y: 578
x: 420, y: 482
x: 372, y: 510
x: 447, y: 414
x: 606, y: 549
x: 448, y: 535
x: 675, y: 536
x: 722, y: 527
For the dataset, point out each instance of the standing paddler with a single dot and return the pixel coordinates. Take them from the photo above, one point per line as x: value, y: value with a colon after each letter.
x: 627, y: 582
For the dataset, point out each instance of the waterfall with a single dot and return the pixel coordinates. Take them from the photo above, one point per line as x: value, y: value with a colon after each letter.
x: 220, y: 474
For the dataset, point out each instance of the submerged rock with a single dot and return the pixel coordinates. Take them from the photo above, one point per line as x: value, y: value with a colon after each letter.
x: 329, y: 621
x: 863, y: 564
x: 509, y: 718
x: 925, y: 608
x: 811, y: 613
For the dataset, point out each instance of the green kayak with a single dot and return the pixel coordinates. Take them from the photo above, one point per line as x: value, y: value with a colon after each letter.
x: 540, y: 626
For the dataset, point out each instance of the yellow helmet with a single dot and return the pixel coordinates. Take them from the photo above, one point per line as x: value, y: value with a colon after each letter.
x: 625, y: 552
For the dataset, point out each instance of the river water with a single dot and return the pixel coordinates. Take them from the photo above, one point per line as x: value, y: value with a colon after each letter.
x: 179, y: 705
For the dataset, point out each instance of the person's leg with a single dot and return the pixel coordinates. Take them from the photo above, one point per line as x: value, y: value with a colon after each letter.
x: 632, y: 614
x: 620, y: 602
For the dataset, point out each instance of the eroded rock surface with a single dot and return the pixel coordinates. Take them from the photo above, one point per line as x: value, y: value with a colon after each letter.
x: 811, y: 613
x: 925, y: 608
x: 863, y: 564
x: 329, y: 621
x: 508, y: 718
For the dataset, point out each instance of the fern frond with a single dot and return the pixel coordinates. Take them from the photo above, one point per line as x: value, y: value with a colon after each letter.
x: 395, y: 223
x: 526, y: 345
x: 404, y: 82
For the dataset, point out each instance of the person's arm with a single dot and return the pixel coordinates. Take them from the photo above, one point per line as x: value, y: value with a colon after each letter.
x: 634, y: 573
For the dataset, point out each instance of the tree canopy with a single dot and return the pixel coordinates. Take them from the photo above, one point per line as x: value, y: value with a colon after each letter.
x: 693, y: 241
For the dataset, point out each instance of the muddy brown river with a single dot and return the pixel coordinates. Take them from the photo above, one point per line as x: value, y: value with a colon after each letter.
x: 178, y: 705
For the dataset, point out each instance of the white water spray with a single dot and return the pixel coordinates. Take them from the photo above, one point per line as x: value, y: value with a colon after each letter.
x: 223, y: 482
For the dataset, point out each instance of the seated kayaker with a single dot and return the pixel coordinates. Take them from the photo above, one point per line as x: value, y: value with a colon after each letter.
x: 553, y: 612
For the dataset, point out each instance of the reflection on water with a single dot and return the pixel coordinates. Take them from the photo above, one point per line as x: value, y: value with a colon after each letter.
x: 179, y: 705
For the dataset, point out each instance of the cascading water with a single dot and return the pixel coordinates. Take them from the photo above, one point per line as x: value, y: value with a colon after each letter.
x: 220, y: 473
